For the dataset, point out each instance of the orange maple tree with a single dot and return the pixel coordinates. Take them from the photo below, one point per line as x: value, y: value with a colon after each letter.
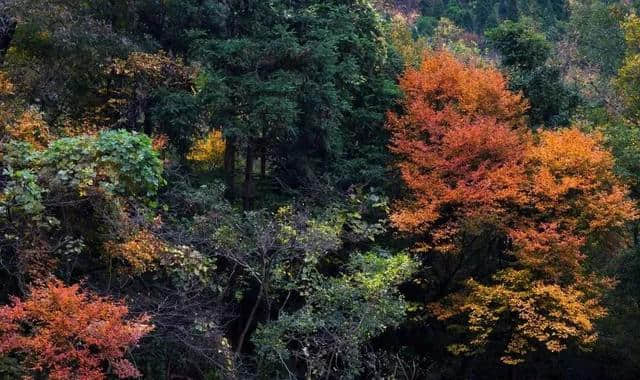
x: 461, y: 144
x: 62, y: 333
x: 467, y: 160
x: 573, y: 196
x: 441, y: 82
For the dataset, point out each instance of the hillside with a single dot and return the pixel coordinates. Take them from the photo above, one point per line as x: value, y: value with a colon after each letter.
x: 319, y: 189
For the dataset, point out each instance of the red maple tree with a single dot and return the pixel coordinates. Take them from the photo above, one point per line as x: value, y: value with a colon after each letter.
x: 64, y: 333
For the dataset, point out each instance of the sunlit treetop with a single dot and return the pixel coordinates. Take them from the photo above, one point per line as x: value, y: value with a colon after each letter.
x: 441, y: 81
x: 574, y: 181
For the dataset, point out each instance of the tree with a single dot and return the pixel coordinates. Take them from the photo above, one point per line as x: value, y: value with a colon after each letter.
x: 52, y: 193
x: 150, y: 93
x: 530, y: 209
x: 460, y: 153
x: 61, y: 332
x: 327, y: 336
x: 599, y: 35
x: 547, y: 298
x: 303, y: 82
x: 479, y: 15
x: 525, y: 53
x: 208, y: 152
x: 410, y: 48
x: 508, y: 10
x: 267, y: 247
x: 589, y: 55
x: 628, y: 76
x: 56, y: 53
x: 7, y: 29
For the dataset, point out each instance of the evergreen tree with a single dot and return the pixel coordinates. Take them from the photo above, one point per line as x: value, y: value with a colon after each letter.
x: 525, y: 53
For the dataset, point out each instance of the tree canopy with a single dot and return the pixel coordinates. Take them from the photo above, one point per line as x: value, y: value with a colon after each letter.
x: 319, y: 189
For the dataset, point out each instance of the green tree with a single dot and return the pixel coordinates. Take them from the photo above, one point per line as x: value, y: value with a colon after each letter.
x: 525, y: 53
x: 56, y: 53
x: 600, y: 38
x: 628, y: 79
x: 301, y: 85
x: 70, y: 195
x: 327, y: 337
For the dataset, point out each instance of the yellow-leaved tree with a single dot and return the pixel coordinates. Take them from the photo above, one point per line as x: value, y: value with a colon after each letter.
x: 208, y: 152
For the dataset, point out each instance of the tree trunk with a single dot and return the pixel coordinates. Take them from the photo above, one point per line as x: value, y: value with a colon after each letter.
x: 247, y: 325
x: 263, y: 153
x: 230, y: 168
x: 263, y: 161
x: 247, y: 194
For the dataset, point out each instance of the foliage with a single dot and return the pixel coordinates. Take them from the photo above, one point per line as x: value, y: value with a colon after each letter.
x: 525, y: 53
x: 141, y: 251
x: 30, y: 127
x: 338, y: 318
x: 57, y: 51
x: 151, y: 93
x: 6, y: 86
x: 116, y: 161
x: 448, y: 36
x: 551, y: 299
x: 537, y: 313
x: 319, y: 189
x: 575, y: 170
x: 480, y: 15
x: 599, y: 35
x: 187, y: 265
x: 520, y: 46
x: 620, y: 138
x: 458, y: 147
x: 410, y: 49
x: 22, y: 194
x: 627, y: 79
x: 208, y: 153
x: 554, y: 195
x: 47, y: 191
x: 63, y: 333
x: 306, y: 82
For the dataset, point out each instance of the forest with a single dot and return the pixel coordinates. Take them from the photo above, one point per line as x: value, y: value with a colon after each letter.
x: 319, y: 189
